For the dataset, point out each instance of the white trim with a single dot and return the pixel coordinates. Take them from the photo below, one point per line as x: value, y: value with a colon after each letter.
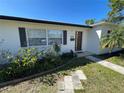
x: 47, y: 37
x: 27, y: 37
x: 62, y: 37
x: 103, y: 23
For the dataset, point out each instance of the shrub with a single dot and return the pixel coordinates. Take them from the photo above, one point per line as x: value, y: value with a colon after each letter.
x: 52, y: 57
x: 56, y: 48
x: 70, y: 54
x: 24, y: 63
x: 5, y: 56
x: 53, y: 50
x: 29, y: 61
x: 27, y: 57
x: 51, y: 60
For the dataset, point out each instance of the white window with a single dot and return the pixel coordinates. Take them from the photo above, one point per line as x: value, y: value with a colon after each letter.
x: 54, y: 36
x: 36, y: 37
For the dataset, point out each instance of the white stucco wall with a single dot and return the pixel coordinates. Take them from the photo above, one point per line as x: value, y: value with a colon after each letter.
x: 70, y: 44
x: 9, y: 34
x: 93, y: 39
x: 10, y: 40
x: 9, y: 37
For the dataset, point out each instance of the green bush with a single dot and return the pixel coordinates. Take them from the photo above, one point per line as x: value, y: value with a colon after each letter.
x: 5, y: 56
x: 24, y: 63
x: 52, y: 57
x: 56, y: 48
x: 70, y: 54
x: 51, y: 60
x: 30, y: 61
x: 27, y: 57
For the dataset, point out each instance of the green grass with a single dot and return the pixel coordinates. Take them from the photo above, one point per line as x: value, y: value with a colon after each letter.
x: 100, y: 80
x: 119, y: 60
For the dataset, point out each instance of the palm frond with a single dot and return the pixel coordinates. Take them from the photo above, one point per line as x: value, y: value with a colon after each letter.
x: 115, y: 39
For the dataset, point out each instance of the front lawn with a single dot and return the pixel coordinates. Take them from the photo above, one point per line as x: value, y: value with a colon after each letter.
x: 100, y: 80
x: 116, y: 59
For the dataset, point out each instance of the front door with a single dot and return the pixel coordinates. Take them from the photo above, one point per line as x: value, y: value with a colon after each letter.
x: 78, y: 41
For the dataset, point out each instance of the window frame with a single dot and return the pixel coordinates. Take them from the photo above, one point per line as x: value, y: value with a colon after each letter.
x: 27, y: 37
x: 47, y: 37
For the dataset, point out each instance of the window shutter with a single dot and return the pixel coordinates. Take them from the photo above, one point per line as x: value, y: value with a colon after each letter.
x: 22, y: 34
x: 64, y: 37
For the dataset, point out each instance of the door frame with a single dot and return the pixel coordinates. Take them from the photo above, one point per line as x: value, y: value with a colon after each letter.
x: 78, y: 40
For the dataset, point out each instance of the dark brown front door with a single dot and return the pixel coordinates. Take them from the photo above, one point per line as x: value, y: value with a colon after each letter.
x: 78, y: 41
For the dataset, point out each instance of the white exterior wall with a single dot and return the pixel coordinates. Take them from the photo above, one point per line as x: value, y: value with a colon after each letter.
x: 93, y: 39
x: 70, y: 44
x: 9, y: 37
x: 10, y: 40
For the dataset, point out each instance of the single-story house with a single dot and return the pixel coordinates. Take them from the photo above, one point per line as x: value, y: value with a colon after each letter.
x: 17, y: 32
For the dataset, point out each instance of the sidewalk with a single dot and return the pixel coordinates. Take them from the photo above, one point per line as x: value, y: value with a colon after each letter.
x: 107, y: 64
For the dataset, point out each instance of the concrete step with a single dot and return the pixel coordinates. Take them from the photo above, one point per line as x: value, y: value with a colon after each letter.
x: 61, y: 92
x: 69, y: 91
x: 83, y: 54
x: 68, y: 82
x: 72, y: 82
x: 61, y: 86
x: 76, y: 82
x: 81, y: 75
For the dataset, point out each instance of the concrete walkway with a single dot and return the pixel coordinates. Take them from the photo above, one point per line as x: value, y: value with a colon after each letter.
x: 76, y: 82
x: 83, y: 54
x: 81, y: 75
x: 72, y: 82
x: 110, y: 65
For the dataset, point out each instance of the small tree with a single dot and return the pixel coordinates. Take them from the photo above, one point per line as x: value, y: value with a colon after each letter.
x: 90, y: 21
x: 116, y: 14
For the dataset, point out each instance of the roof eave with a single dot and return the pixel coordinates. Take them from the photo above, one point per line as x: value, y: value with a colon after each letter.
x: 41, y: 21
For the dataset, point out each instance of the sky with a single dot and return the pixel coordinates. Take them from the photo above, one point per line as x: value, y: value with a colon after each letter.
x: 71, y: 11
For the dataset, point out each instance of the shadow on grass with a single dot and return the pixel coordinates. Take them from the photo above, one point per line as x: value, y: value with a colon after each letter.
x: 109, y: 55
x: 50, y: 78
